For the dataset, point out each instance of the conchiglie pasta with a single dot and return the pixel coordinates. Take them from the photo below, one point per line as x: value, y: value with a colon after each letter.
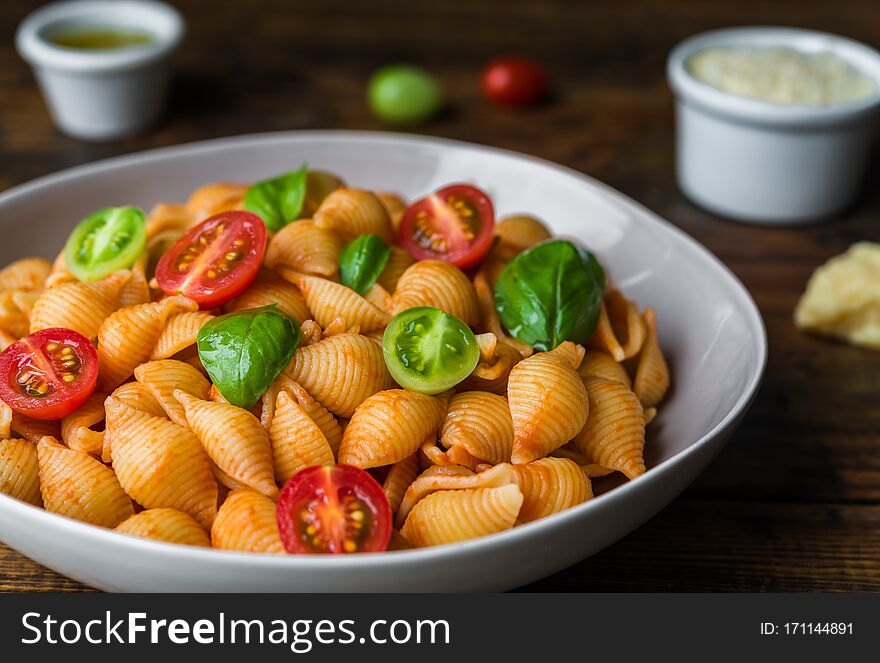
x: 136, y: 290
x: 180, y: 332
x: 400, y: 476
x: 452, y: 477
x: 651, y: 381
x: 78, y: 305
x: 168, y: 525
x: 15, y: 311
x: 297, y: 441
x: 399, y: 261
x: 160, y: 464
x: 614, y: 435
x: 268, y: 289
x: 389, y: 426
x: 449, y: 516
x: 305, y: 247
x: 246, y: 522
x: 354, y: 212
x: 214, y: 198
x: 479, y: 422
x: 77, y: 428
x: 127, y: 337
x: 25, y: 274
x: 20, y: 470
x: 34, y: 429
x: 78, y: 486
x: 603, y: 365
x: 394, y: 205
x: 341, y: 371
x: 319, y: 185
x: 548, y: 402
x: 439, y: 284
x: 329, y: 301
x: 234, y: 440
x: 550, y: 485
x: 620, y: 330
x: 162, y: 377
x: 518, y: 232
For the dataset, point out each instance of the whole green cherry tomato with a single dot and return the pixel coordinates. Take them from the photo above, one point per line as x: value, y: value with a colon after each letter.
x: 403, y: 94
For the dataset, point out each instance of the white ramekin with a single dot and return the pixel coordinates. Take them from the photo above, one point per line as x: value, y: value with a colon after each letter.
x: 102, y: 95
x: 764, y: 162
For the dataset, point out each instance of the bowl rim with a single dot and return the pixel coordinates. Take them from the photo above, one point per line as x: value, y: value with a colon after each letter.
x: 689, y: 89
x: 366, y: 561
x: 163, y: 21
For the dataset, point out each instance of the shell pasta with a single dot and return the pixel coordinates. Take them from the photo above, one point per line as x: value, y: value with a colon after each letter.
x: 298, y: 366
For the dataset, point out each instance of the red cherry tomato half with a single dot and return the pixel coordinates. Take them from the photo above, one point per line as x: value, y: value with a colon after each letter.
x: 514, y: 81
x: 216, y: 260
x: 49, y: 373
x: 453, y: 224
x: 333, y: 509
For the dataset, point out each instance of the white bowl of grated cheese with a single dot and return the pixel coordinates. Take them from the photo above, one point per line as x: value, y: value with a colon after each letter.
x: 774, y: 125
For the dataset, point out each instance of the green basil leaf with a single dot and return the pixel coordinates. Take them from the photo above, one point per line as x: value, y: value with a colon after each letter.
x: 361, y: 262
x: 245, y: 351
x: 550, y: 293
x: 279, y: 200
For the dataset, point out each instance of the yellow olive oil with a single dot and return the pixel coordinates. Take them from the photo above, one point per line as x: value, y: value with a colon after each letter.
x: 100, y: 38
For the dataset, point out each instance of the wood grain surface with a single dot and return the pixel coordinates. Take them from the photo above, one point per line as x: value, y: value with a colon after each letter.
x: 793, y: 503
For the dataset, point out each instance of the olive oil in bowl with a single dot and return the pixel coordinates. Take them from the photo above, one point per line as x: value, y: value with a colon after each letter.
x: 99, y: 38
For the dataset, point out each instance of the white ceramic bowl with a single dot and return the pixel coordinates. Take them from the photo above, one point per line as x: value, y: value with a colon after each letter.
x: 708, y: 325
x: 763, y: 162
x: 108, y: 94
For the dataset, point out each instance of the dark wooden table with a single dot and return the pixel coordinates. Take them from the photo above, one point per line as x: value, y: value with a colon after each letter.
x: 793, y: 503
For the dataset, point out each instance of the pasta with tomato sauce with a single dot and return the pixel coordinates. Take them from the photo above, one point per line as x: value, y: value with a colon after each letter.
x: 296, y: 366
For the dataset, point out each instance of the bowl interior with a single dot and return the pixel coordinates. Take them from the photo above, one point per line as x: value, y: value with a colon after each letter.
x: 708, y: 326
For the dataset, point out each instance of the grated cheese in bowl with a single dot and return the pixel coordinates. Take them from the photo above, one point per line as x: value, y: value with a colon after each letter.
x: 781, y: 75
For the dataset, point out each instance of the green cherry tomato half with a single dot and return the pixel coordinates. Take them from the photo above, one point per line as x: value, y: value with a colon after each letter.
x: 403, y: 94
x: 428, y: 350
x: 105, y: 241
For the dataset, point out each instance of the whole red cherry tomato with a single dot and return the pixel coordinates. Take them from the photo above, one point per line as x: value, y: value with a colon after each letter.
x: 514, y: 81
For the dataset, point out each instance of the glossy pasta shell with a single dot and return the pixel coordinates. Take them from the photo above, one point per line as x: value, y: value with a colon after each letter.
x: 25, y: 274
x: 247, y: 522
x: 127, y: 336
x: 20, y: 470
x: 354, y: 212
x: 234, y: 439
x: 479, y: 422
x: 169, y: 525
x: 76, y: 427
x: 550, y: 485
x: 80, y: 306
x: 341, y: 371
x: 329, y: 301
x: 305, y: 247
x: 269, y: 288
x: 75, y: 485
x: 389, y: 426
x: 548, y: 403
x: 162, y: 377
x: 614, y: 435
x: 449, y: 516
x: 180, y: 332
x: 161, y: 464
x: 652, y: 374
x: 441, y: 285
